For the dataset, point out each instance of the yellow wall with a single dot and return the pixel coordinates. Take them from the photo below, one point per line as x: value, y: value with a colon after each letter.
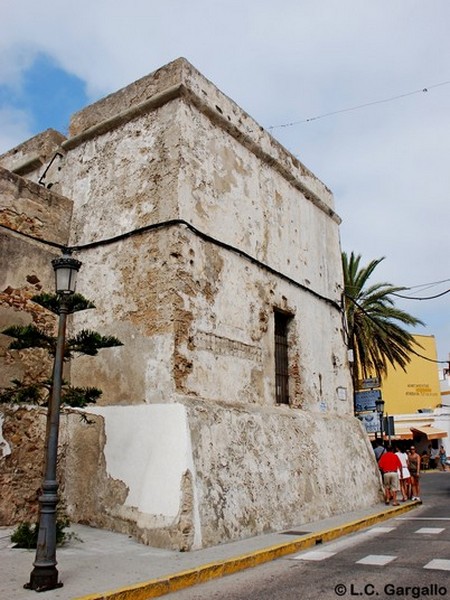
x: 418, y: 387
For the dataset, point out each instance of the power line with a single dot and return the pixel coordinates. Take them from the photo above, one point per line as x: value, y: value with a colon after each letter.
x: 423, y: 297
x: 422, y: 287
x: 205, y: 237
x: 427, y: 285
x: 359, y: 106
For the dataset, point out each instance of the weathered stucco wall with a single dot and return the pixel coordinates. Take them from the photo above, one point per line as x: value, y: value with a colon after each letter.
x: 26, y: 267
x: 180, y: 160
x: 32, y: 156
x: 22, y: 434
x: 232, y: 194
x: 132, y: 171
x: 31, y: 209
x: 287, y: 461
x: 25, y: 270
x: 186, y: 475
x: 218, y: 226
x: 154, y: 470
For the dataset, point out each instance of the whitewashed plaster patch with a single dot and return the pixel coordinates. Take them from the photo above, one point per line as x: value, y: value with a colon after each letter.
x: 5, y: 448
x: 148, y: 448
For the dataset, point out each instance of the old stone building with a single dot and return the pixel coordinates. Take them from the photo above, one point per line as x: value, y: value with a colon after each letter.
x: 214, y: 255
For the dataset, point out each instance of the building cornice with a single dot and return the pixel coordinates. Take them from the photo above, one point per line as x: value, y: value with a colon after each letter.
x: 180, y: 80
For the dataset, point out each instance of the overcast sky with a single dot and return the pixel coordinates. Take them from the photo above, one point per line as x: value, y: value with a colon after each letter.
x: 283, y: 62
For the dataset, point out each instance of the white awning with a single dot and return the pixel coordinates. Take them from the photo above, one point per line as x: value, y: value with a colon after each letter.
x: 432, y: 433
x: 401, y: 434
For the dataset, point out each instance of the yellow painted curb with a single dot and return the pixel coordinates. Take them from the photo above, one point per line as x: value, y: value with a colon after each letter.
x: 155, y: 588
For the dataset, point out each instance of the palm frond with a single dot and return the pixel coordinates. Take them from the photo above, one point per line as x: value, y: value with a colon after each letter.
x: 375, y: 325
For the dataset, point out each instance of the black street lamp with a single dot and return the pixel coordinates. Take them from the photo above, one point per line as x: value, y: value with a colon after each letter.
x: 379, y: 405
x: 44, y: 576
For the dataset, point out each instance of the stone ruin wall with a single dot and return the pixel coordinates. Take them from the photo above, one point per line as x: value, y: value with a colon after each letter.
x: 25, y: 266
x: 175, y: 162
x: 288, y: 462
x: 25, y: 271
x: 187, y: 347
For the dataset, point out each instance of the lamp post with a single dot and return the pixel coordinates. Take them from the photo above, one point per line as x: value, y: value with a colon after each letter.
x: 379, y: 405
x: 44, y: 576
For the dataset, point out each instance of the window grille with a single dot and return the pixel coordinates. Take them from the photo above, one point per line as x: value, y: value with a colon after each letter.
x: 281, y: 357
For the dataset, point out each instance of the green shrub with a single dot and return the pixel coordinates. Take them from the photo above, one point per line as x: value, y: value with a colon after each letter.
x: 26, y: 535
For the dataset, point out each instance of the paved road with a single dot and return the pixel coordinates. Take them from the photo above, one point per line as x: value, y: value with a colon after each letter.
x: 406, y: 557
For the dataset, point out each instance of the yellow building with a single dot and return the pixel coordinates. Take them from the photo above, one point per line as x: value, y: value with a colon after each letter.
x: 417, y: 388
x: 413, y: 399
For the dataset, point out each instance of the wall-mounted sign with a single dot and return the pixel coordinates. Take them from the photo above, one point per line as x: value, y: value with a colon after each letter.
x: 341, y: 393
x: 371, y: 422
x: 389, y: 426
x: 369, y: 383
x: 420, y: 389
x: 366, y: 400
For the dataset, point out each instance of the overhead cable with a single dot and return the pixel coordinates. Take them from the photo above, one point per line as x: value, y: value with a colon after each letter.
x: 198, y: 233
x: 425, y: 286
x: 421, y: 298
x: 359, y: 106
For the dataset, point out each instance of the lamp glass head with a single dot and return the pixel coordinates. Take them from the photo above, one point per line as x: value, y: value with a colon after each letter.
x: 66, y: 269
x: 379, y: 405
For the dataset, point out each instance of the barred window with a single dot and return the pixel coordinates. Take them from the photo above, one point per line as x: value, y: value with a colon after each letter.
x: 281, y: 357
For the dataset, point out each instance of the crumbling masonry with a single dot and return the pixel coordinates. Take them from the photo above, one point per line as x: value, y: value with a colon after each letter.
x: 202, y: 240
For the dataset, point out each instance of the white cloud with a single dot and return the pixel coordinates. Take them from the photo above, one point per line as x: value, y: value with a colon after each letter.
x: 14, y: 128
x: 284, y: 62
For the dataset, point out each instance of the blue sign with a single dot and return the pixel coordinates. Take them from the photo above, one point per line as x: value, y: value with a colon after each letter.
x: 371, y: 422
x: 365, y: 401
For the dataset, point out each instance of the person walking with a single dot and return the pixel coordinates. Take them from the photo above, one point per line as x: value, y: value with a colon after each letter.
x: 442, y: 459
x: 414, y: 469
x: 379, y: 450
x: 405, y: 475
x: 434, y: 458
x: 390, y: 466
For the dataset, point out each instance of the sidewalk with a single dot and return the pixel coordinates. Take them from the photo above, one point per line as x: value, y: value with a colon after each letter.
x: 95, y: 561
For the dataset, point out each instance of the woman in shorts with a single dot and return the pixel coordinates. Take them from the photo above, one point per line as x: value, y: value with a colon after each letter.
x: 404, y: 475
x: 414, y: 469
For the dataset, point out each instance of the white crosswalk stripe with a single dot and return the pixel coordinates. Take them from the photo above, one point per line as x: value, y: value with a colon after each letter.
x: 422, y: 518
x: 315, y: 555
x: 438, y: 563
x: 332, y: 548
x: 347, y: 542
x: 376, y: 559
x: 431, y: 530
x: 378, y: 530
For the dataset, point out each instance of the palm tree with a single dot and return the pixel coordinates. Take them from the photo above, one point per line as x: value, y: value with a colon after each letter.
x: 375, y: 326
